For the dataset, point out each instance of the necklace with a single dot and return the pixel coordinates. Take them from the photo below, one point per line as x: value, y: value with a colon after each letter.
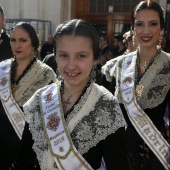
x: 67, y: 102
x: 145, y: 66
x: 140, y: 87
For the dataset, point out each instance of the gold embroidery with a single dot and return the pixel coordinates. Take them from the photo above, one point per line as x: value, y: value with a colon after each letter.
x: 14, y: 88
x: 139, y: 90
x: 17, y: 117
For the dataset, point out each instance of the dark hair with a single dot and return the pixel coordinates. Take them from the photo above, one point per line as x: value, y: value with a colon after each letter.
x: 78, y: 27
x: 105, y: 37
x: 2, y: 10
x: 151, y: 5
x: 31, y: 32
x: 119, y: 38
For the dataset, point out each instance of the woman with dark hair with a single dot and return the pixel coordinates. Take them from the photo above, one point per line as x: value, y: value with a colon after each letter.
x: 74, y: 123
x: 141, y: 82
x: 20, y: 77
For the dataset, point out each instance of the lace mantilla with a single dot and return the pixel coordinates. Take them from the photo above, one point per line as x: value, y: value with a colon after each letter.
x: 96, y: 116
x: 156, y: 81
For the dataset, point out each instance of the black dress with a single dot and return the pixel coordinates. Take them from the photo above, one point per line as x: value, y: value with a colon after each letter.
x: 5, y: 48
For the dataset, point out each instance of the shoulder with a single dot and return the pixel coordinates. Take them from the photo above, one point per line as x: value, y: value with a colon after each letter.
x: 49, y: 57
x: 104, y: 94
x: 6, y: 62
x: 44, y: 66
x: 109, y: 68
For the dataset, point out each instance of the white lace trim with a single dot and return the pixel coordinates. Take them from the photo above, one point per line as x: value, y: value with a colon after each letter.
x: 90, y: 128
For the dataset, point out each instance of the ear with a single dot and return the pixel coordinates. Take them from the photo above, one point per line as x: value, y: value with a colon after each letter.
x: 95, y: 62
x: 3, y: 20
x: 162, y: 32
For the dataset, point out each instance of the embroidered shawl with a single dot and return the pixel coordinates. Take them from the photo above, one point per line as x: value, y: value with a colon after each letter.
x: 37, y: 77
x: 156, y: 79
x: 96, y: 116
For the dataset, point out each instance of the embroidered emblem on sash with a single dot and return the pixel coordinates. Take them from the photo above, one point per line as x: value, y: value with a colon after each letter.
x: 53, y: 122
x: 48, y: 97
x: 127, y: 80
x: 129, y: 63
x: 3, y: 81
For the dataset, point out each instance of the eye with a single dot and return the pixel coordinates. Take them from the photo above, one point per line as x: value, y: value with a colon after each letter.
x: 81, y: 56
x: 22, y: 40
x: 12, y: 39
x: 62, y: 55
x: 138, y: 24
x: 153, y: 23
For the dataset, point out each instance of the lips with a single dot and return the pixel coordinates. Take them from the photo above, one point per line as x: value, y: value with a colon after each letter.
x: 146, y: 39
x: 18, y: 52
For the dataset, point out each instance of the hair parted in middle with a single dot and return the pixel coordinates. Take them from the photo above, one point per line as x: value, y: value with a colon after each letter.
x: 78, y: 27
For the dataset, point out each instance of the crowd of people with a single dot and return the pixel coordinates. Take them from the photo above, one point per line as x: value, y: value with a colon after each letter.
x: 85, y: 105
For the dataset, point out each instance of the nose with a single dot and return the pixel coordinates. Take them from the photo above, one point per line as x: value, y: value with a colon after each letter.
x: 17, y: 44
x: 71, y: 63
x: 146, y: 29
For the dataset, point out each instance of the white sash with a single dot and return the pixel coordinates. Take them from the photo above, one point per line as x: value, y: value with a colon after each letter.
x: 142, y: 123
x: 13, y: 111
x: 65, y: 154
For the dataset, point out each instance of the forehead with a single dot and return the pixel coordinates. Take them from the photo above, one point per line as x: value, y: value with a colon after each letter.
x: 73, y: 42
x: 19, y: 31
x: 73, y: 38
x: 143, y: 15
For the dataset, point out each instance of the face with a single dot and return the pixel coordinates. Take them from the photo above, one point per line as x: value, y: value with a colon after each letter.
x: 102, y: 42
x: 74, y: 55
x: 147, y: 29
x: 2, y: 21
x: 21, y: 44
x: 115, y: 44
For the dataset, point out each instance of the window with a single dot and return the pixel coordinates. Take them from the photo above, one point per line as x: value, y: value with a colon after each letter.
x: 116, y: 6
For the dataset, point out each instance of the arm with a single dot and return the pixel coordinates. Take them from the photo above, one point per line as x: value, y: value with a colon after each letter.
x: 26, y: 158
x: 114, y: 150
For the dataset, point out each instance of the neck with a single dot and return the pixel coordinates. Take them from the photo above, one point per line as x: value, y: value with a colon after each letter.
x: 75, y: 88
x: 146, y: 54
x: 22, y: 65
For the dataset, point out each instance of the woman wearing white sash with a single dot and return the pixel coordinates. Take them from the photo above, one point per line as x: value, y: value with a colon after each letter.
x: 90, y: 114
x: 141, y: 82
x: 20, y: 77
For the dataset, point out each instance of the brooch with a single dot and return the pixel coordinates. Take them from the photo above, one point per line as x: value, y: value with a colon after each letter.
x: 139, y: 90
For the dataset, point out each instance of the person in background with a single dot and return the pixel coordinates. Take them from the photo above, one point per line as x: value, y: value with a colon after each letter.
x: 131, y: 45
x: 47, y: 48
x: 142, y: 86
x: 105, y: 55
x: 5, y: 49
x: 119, y: 47
x: 106, y: 51
x: 51, y: 61
x: 20, y: 77
x: 129, y: 42
x: 73, y: 123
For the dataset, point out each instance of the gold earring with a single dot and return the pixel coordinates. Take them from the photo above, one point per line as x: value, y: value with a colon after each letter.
x: 160, y: 39
x: 32, y: 52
